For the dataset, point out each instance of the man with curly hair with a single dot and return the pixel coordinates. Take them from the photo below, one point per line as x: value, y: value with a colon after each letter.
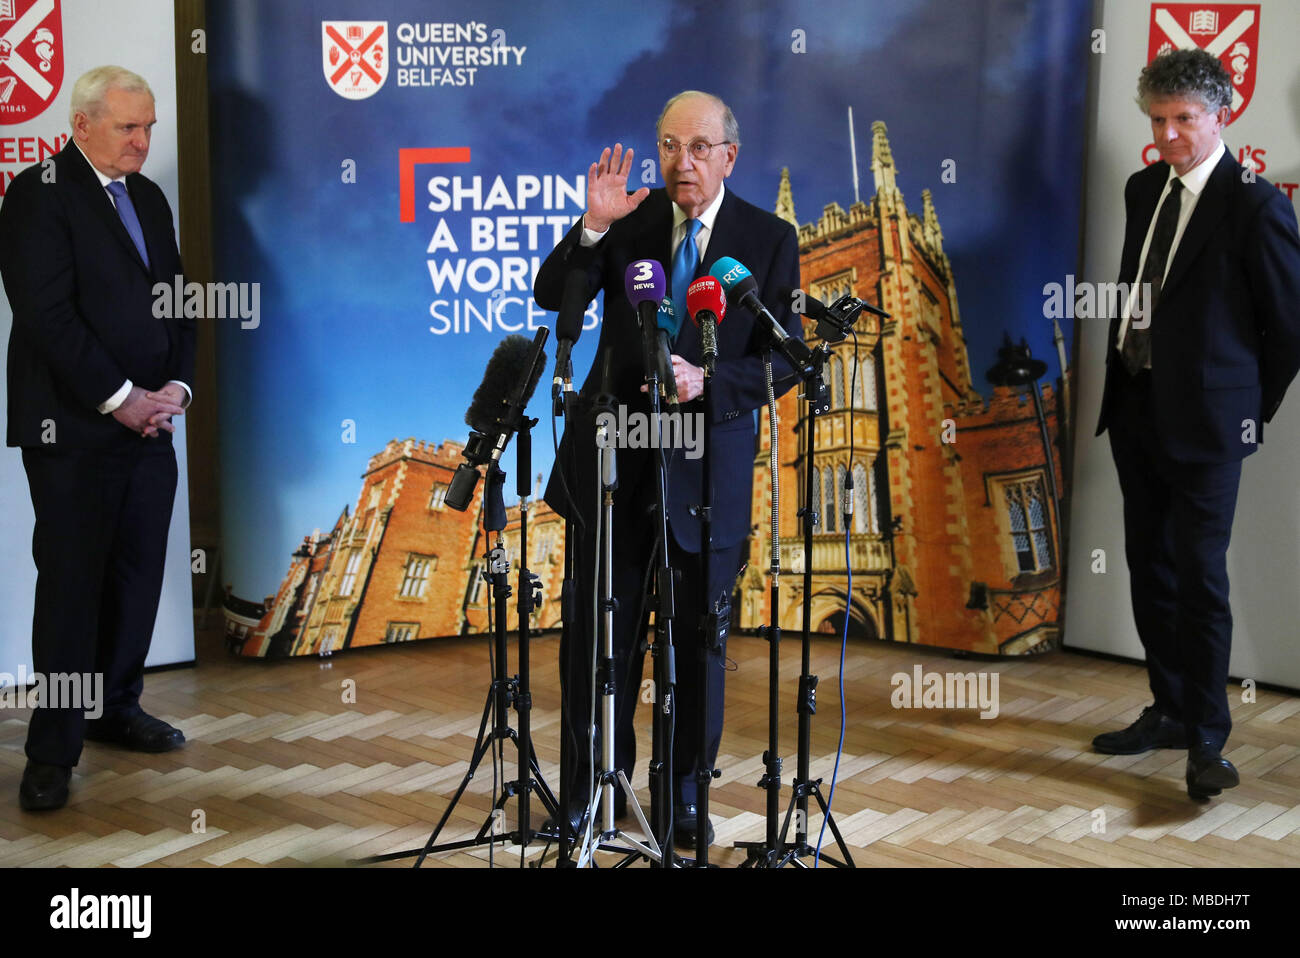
x: 1192, y: 375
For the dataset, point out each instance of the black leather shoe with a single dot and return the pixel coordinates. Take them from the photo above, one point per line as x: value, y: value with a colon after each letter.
x: 1209, y: 773
x: 138, y: 731
x: 44, y: 787
x: 686, y: 825
x: 1151, y: 731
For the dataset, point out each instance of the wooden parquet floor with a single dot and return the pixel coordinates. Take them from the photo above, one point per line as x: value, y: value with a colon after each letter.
x: 283, y: 768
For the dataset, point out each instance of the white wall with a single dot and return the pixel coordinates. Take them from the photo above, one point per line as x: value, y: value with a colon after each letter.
x: 1264, y: 560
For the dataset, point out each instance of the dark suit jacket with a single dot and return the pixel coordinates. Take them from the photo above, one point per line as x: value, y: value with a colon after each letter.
x: 83, y: 303
x: 764, y: 243
x: 1226, y: 331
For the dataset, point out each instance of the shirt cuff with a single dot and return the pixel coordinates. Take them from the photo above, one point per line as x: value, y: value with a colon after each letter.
x: 112, y: 402
x: 590, y: 237
x: 189, y: 394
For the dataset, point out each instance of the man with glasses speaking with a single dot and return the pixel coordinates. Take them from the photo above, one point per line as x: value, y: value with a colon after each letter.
x: 687, y: 226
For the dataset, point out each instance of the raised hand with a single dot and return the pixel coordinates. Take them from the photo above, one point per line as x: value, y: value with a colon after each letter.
x: 607, y: 196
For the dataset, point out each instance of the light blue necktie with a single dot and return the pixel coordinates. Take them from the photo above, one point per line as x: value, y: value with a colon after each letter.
x: 126, y: 211
x: 685, y: 260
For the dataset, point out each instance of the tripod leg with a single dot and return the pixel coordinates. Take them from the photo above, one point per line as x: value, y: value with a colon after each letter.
x: 479, y: 751
x: 835, y: 830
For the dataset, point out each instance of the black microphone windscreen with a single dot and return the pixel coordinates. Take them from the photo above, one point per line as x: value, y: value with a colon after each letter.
x: 508, y: 365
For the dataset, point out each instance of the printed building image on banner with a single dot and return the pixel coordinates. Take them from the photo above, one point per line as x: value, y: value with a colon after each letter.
x: 394, y: 184
x: 963, y: 548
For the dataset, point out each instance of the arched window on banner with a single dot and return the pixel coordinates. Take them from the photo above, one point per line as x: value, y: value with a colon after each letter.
x: 817, y: 498
x: 828, y: 515
x: 864, y: 519
x: 841, y: 486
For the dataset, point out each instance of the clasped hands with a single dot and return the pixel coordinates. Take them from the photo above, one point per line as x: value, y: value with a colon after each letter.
x: 147, y: 412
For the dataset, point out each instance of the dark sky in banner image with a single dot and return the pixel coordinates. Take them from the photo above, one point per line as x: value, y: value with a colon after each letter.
x: 346, y: 330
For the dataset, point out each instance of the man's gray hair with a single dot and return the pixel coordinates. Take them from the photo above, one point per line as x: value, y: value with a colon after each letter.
x: 92, y: 86
x: 1185, y: 75
x: 730, y: 128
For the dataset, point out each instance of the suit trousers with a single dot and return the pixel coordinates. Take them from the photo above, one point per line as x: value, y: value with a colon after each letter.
x: 1177, y: 525
x: 99, y: 543
x: 635, y: 555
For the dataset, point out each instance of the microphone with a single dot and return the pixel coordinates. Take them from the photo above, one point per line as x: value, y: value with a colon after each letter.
x: 508, y: 370
x: 495, y: 412
x: 706, y: 304
x: 835, y: 321
x: 645, y: 285
x: 741, y: 287
x: 568, y: 325
x: 668, y: 323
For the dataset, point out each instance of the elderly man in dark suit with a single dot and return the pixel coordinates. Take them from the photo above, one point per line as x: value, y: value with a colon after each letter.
x: 1189, y: 385
x: 687, y: 226
x: 95, y: 377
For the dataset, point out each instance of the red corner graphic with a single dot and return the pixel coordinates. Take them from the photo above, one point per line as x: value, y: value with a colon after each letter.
x: 408, y: 159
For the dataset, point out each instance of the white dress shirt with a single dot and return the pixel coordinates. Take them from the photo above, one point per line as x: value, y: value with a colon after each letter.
x: 1194, y: 181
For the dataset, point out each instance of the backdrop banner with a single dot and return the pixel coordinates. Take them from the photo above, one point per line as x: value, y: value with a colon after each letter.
x: 1252, y: 39
x: 46, y: 45
x: 389, y: 181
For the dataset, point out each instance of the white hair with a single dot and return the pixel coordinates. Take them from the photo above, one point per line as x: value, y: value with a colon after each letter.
x: 92, y: 86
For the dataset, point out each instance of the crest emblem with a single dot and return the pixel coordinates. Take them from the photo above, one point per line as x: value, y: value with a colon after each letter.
x: 31, y: 58
x: 354, y: 55
x: 1229, y: 31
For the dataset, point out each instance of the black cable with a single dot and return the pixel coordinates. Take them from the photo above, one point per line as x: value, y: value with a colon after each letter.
x: 492, y: 677
x: 848, y: 599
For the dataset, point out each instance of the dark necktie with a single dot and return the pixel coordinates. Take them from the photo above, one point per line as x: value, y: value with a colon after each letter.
x: 1137, y: 342
x: 685, y: 260
x: 126, y: 210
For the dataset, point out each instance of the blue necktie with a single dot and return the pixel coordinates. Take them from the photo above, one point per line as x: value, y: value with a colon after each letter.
x: 685, y: 260
x: 126, y: 211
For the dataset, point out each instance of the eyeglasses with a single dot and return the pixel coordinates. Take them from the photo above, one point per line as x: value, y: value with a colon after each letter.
x: 700, y: 149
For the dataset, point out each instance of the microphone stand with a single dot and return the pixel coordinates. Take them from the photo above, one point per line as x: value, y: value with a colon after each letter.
x: 709, y: 627
x: 610, y: 778
x: 818, y: 402
x: 504, y: 690
x: 765, y: 854
x: 661, y: 651
x: 562, y: 398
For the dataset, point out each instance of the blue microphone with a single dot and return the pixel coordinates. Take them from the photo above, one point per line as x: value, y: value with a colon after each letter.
x: 741, y: 288
x: 668, y: 319
x: 668, y: 323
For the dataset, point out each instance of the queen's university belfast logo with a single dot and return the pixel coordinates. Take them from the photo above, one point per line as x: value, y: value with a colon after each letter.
x: 31, y: 58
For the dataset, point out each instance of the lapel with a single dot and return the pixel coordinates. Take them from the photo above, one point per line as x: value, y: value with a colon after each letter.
x: 653, y: 238
x: 101, y: 204
x: 1136, y: 227
x: 1211, y: 207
